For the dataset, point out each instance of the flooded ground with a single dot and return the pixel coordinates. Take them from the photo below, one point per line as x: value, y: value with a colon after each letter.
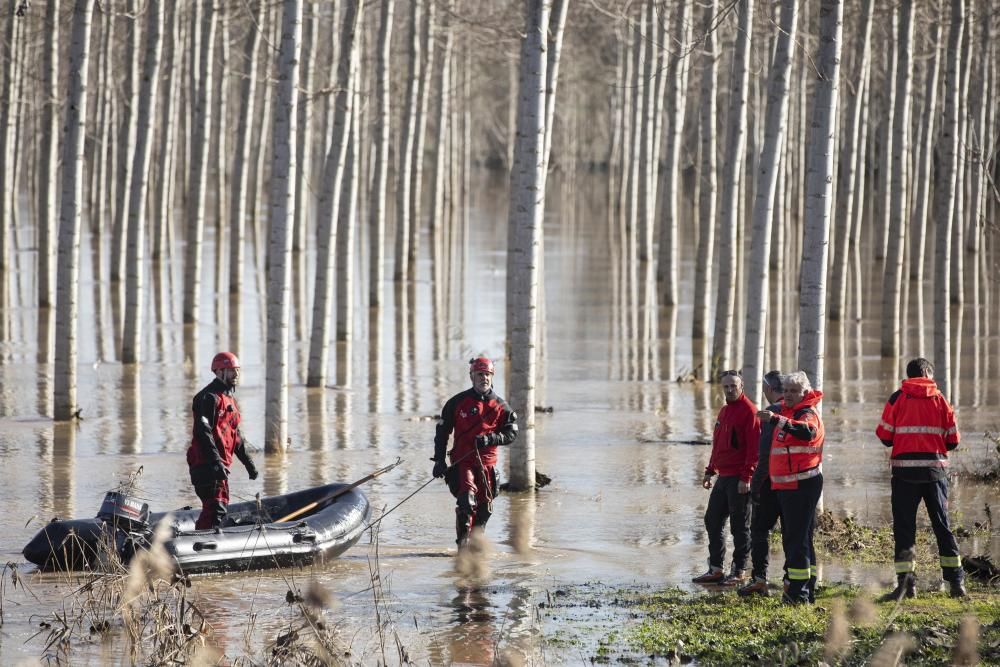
x: 625, y: 506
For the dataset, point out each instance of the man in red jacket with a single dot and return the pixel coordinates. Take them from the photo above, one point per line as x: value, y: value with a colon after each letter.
x: 734, y: 455
x: 919, y: 424
x: 481, y: 421
x: 216, y: 437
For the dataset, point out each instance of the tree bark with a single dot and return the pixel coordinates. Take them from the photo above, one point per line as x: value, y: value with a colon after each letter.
x: 383, y: 129
x: 283, y: 170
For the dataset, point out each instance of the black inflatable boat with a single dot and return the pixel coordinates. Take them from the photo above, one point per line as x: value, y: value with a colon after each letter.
x: 251, y: 539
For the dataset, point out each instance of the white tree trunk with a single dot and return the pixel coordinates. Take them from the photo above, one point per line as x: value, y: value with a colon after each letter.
x: 945, y: 207
x: 71, y: 212
x: 166, y: 187
x: 729, y: 207
x: 898, y: 211
x: 527, y: 197
x: 135, y: 262
x: 408, y: 131
x: 199, y: 176
x: 48, y: 167
x: 328, y: 206
x: 383, y: 129
x: 438, y: 213
x: 819, y: 193
x: 283, y: 169
x: 126, y: 156
x: 770, y: 165
x: 707, y: 195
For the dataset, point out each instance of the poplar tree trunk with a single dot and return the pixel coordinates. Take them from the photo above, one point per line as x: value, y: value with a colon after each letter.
x: 819, y: 194
x: 166, y: 187
x: 408, y: 131
x: 438, y: 215
x: 848, y: 180
x: 729, y: 212
x: 898, y: 211
x: 962, y: 166
x: 707, y: 194
x: 945, y: 207
x: 199, y: 176
x: 527, y: 197
x: 383, y: 129
x: 770, y: 165
x: 283, y: 170
x: 884, y: 188
x: 136, y: 245
x: 328, y: 205
x: 8, y: 121
x: 70, y: 213
x: 238, y: 209
x: 423, y: 106
x: 48, y: 167
x: 126, y: 155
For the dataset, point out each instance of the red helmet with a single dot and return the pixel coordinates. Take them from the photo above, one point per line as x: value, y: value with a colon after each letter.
x: 481, y: 365
x: 224, y: 360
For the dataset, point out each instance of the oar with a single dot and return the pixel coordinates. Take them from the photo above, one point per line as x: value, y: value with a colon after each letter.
x: 339, y: 492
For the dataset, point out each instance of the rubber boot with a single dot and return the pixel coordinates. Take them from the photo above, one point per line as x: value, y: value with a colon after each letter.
x: 464, y: 513
x: 906, y: 586
x: 956, y: 589
x: 811, y: 587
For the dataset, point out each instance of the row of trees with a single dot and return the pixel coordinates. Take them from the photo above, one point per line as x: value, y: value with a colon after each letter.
x: 771, y: 139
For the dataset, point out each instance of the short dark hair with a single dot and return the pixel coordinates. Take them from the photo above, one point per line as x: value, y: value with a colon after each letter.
x: 773, y: 380
x: 919, y: 368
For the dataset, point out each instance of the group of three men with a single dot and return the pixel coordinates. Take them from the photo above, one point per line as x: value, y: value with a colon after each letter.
x: 768, y: 464
x: 769, y: 467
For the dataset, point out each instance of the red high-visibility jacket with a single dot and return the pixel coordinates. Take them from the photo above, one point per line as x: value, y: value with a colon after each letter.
x: 797, y: 444
x: 734, y: 441
x: 919, y: 424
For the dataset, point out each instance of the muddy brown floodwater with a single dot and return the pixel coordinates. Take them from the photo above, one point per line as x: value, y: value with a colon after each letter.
x: 625, y: 505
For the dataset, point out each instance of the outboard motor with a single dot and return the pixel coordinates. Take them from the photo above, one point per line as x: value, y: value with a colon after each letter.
x: 124, y: 513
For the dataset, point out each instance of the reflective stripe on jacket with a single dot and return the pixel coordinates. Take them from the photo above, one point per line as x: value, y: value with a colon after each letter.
x: 216, y: 429
x: 797, y: 444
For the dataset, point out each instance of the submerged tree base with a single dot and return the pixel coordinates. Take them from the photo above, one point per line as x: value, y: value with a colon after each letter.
x: 844, y: 627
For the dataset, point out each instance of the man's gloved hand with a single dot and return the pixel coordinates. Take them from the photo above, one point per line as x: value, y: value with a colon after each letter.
x: 219, y: 472
x: 440, y: 468
x: 252, y: 470
x: 484, y: 440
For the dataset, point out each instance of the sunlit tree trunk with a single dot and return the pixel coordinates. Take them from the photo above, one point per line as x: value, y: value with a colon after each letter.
x: 308, y: 115
x: 527, y: 196
x: 199, y: 176
x: 898, y: 211
x: 925, y: 163
x: 848, y: 178
x: 383, y: 130
x: 70, y: 213
x: 347, y: 216
x: 48, y: 166
x: 168, y: 143
x: 283, y: 170
x: 8, y: 125
x: 770, y: 165
x: 729, y: 207
x: 417, y: 169
x: 408, y: 131
x: 707, y: 193
x: 328, y: 205
x: 241, y: 166
x: 126, y: 156
x: 220, y: 155
x: 136, y: 243
x: 438, y: 215
x: 819, y: 193
x: 945, y: 199
x: 962, y: 167
x: 885, y: 153
x: 677, y: 84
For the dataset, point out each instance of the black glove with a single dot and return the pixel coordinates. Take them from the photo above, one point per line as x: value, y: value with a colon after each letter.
x: 219, y: 472
x: 440, y: 468
x: 251, y: 469
x: 484, y: 440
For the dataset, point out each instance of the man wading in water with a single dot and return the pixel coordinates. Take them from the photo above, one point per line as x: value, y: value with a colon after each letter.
x: 481, y: 421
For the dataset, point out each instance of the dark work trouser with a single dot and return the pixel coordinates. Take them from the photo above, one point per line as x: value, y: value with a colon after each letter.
x: 906, y: 497
x: 763, y: 519
x: 214, y: 504
x: 798, y: 520
x: 726, y: 502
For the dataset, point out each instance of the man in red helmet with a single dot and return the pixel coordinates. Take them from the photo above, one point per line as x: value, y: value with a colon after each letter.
x: 216, y: 437
x: 481, y: 421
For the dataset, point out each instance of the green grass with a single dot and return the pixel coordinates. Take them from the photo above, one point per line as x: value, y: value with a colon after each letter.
x: 722, y: 629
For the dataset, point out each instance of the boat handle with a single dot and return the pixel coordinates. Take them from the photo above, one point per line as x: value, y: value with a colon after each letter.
x: 304, y: 537
x: 211, y: 546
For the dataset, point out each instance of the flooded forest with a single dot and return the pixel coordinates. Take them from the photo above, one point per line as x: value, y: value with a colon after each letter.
x: 614, y: 200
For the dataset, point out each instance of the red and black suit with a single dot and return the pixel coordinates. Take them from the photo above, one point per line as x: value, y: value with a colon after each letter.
x: 797, y: 478
x: 472, y: 477
x: 919, y: 424
x: 215, y: 439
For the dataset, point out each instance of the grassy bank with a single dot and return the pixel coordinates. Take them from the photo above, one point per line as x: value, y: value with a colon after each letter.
x: 844, y: 627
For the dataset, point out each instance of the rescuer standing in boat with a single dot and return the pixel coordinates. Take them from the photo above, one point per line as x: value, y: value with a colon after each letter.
x: 215, y: 438
x: 481, y: 421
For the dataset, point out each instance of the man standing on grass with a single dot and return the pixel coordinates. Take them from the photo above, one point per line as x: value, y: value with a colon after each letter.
x: 734, y: 455
x: 919, y: 424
